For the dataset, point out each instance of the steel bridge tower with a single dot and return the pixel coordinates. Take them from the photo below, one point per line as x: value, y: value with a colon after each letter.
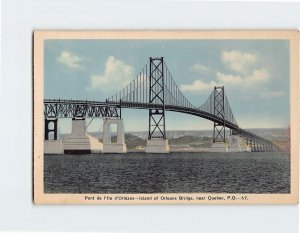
x: 157, y: 127
x: 219, y: 111
x: 157, y: 141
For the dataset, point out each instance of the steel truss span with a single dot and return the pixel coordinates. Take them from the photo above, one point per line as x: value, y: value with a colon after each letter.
x: 57, y: 108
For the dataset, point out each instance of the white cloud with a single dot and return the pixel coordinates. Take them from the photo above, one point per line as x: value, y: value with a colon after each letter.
x: 229, y: 79
x: 116, y: 76
x: 247, y: 72
x: 70, y: 60
x: 257, y: 77
x: 198, y: 85
x: 271, y: 94
x: 199, y: 68
x: 238, y: 61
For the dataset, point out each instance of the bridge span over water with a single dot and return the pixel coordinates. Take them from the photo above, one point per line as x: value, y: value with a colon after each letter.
x: 154, y: 89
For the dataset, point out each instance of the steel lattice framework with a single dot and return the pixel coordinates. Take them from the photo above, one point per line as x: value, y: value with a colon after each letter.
x: 155, y: 89
x: 219, y: 110
x: 157, y: 127
x: 80, y: 109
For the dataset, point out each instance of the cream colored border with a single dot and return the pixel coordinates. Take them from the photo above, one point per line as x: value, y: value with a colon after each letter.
x: 41, y: 198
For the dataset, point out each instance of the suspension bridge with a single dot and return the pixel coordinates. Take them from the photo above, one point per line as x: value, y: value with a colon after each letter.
x: 154, y: 89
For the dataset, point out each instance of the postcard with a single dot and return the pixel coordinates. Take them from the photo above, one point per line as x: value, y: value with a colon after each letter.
x: 166, y: 117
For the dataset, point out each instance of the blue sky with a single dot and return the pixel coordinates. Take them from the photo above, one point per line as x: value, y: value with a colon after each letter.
x: 255, y: 74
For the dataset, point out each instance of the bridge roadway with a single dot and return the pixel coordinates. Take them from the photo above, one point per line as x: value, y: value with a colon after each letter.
x: 199, y: 113
x: 71, y: 108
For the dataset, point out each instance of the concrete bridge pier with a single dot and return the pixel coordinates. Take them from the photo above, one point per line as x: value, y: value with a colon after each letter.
x: 77, y: 142
x: 253, y: 146
x: 237, y: 144
x: 113, y: 147
x: 51, y: 144
x: 259, y: 147
x: 219, y: 147
x: 234, y: 142
x: 157, y: 145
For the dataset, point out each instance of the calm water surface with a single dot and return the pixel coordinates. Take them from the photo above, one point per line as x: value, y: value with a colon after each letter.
x: 168, y: 173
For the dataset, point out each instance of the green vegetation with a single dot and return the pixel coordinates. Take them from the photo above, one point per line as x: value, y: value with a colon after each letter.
x: 132, y: 141
x: 191, y: 141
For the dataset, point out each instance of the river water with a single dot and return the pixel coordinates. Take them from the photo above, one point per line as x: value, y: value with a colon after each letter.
x: 259, y: 172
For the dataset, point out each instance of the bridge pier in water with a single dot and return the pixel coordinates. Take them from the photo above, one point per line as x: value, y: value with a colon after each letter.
x: 157, y: 146
x: 113, y: 147
x: 77, y: 142
x: 219, y: 147
x: 237, y: 144
x: 51, y: 144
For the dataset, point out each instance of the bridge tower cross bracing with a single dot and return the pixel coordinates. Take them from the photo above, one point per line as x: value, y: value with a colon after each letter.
x: 157, y: 127
x: 219, y: 111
